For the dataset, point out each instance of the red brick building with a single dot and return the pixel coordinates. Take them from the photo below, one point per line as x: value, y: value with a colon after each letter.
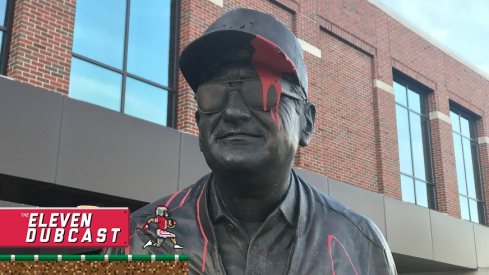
x: 398, y: 114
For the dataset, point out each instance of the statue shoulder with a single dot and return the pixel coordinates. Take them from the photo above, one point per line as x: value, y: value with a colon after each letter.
x: 357, y: 221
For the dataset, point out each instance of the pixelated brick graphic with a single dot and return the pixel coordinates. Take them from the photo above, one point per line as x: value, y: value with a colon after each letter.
x: 94, y: 267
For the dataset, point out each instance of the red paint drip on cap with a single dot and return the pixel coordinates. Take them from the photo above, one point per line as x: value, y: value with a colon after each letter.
x: 270, y: 62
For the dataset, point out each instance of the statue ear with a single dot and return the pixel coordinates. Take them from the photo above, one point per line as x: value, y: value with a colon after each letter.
x: 307, y: 123
x: 197, y: 120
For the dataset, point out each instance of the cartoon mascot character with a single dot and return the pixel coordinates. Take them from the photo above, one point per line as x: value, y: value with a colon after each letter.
x: 163, y: 221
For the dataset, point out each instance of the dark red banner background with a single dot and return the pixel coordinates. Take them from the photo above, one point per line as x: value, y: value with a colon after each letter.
x: 64, y: 227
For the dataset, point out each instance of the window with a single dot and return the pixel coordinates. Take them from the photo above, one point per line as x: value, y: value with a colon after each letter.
x: 469, y: 180
x: 6, y: 12
x: 413, y: 135
x: 124, y: 57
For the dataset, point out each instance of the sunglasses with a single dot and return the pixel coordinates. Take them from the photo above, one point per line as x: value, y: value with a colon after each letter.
x: 212, y: 97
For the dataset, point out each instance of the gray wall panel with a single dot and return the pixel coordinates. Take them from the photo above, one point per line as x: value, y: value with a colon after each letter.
x: 363, y: 201
x: 318, y: 181
x: 29, y: 125
x: 408, y: 228
x: 108, y: 152
x: 192, y: 161
x: 482, y: 244
x: 12, y: 204
x: 453, y: 240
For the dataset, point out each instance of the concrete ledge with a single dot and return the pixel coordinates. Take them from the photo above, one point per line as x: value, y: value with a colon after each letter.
x: 481, y: 233
x: 453, y: 240
x: 220, y: 3
x: 310, y: 48
x: 384, y: 86
x: 484, y: 140
x: 440, y: 115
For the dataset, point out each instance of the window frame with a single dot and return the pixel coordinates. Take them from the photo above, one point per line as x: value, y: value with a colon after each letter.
x: 172, y: 106
x: 423, y: 91
x: 461, y: 112
x: 7, y: 32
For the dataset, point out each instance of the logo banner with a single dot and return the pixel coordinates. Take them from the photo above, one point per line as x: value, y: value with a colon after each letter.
x: 64, y: 227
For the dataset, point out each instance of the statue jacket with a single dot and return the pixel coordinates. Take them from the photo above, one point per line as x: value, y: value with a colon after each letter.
x: 329, y: 238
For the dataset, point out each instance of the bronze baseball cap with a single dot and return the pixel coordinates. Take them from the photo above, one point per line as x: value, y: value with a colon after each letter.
x: 249, y: 36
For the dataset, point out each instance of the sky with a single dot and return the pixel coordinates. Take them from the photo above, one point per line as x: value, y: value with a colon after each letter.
x: 461, y: 25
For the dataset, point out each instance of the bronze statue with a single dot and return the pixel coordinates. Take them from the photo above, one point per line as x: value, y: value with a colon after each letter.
x: 253, y: 214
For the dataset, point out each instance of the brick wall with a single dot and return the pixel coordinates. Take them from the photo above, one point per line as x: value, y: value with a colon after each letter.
x: 355, y: 138
x: 42, y: 38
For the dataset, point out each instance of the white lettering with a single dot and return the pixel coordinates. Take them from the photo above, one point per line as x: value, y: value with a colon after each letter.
x: 32, y: 219
x: 31, y: 235
x: 74, y: 219
x: 41, y: 219
x: 101, y: 233
x: 70, y: 235
x: 53, y: 220
x: 65, y: 219
x: 58, y: 235
x: 86, y: 220
x: 87, y: 237
x: 45, y: 235
x: 115, y: 231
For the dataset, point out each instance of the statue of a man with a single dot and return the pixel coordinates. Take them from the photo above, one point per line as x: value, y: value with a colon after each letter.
x: 253, y: 214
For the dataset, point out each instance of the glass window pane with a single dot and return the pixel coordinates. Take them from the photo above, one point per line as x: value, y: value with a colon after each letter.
x: 149, y: 40
x: 94, y: 84
x: 400, y: 91
x: 474, y: 211
x: 421, y: 194
x: 468, y: 126
x: 464, y: 208
x: 455, y: 122
x: 469, y: 168
x: 431, y: 196
x: 459, y: 160
x: 3, y: 56
x: 3, y: 11
x: 482, y: 211
x: 146, y: 101
x: 99, y: 31
x: 420, y: 146
x: 403, y: 140
x: 414, y: 101
x: 407, y: 187
x: 473, y: 129
x: 464, y: 126
x: 477, y: 173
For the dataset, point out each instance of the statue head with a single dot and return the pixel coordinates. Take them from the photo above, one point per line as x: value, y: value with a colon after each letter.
x: 250, y: 80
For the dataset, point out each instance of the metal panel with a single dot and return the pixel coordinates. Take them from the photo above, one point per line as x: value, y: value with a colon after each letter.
x: 108, y: 152
x: 363, y: 201
x: 192, y: 161
x: 482, y: 244
x: 453, y: 240
x: 29, y: 123
x: 12, y: 204
x: 316, y: 180
x: 408, y: 228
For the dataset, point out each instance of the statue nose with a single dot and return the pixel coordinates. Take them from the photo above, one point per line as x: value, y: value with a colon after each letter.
x: 236, y: 109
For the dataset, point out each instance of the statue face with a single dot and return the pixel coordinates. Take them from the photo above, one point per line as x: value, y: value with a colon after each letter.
x: 238, y: 138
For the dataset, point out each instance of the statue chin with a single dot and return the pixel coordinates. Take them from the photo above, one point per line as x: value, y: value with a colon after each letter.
x: 237, y: 161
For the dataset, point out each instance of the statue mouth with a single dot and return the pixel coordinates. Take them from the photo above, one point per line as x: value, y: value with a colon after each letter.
x: 238, y: 139
x: 237, y: 135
